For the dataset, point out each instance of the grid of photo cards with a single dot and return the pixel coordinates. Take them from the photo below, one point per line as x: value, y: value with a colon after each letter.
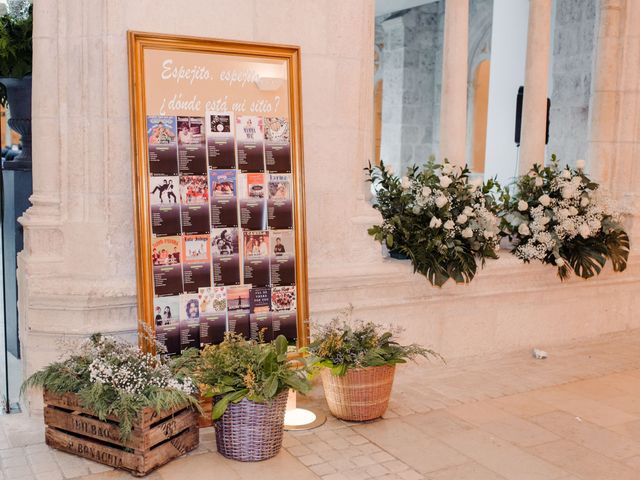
x: 223, y: 240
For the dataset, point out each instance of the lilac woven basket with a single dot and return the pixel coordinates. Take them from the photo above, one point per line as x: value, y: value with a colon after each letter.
x: 250, y: 431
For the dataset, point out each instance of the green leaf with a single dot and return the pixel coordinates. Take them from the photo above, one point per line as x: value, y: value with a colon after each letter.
x: 298, y: 382
x: 585, y: 256
x: 221, y: 405
x: 618, y: 247
x: 339, y: 370
x: 270, y: 386
x: 281, y: 344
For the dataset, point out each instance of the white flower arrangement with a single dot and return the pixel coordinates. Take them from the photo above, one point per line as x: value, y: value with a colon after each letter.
x: 113, y: 377
x: 123, y: 367
x: 560, y: 217
x: 438, y: 218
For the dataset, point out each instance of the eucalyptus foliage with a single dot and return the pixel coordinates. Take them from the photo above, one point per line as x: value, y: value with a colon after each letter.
x: 345, y: 344
x: 114, y: 378
x: 15, y: 47
x: 434, y: 215
x: 560, y: 217
x: 238, y: 368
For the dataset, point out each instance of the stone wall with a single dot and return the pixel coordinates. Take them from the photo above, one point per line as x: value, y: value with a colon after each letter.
x: 411, y: 73
x: 423, y: 72
x: 571, y: 70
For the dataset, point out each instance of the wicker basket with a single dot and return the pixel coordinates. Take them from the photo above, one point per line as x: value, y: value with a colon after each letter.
x: 360, y: 395
x: 250, y: 431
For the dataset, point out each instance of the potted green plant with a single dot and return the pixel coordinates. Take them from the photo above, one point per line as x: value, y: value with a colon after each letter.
x: 110, y: 402
x: 15, y: 72
x: 249, y: 381
x: 357, y: 362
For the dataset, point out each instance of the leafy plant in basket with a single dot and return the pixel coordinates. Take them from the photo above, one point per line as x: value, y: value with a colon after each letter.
x: 238, y: 368
x: 112, y: 377
x: 345, y: 343
x: 434, y: 215
x: 560, y: 217
x: 357, y: 363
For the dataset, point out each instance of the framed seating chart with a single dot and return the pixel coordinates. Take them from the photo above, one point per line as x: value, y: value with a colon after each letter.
x: 218, y: 190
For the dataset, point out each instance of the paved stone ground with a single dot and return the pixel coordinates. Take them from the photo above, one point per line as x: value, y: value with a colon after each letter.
x: 575, y: 415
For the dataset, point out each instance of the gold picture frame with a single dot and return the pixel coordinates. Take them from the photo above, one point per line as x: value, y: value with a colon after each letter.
x: 138, y: 44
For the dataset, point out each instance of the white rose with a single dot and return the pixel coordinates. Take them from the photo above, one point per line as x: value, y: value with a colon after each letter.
x: 560, y: 261
x: 539, y: 181
x: 462, y: 218
x: 389, y: 169
x: 467, y: 233
x: 522, y: 205
x: 544, y: 220
x: 441, y: 201
x: 405, y: 183
x: 446, y: 168
x: 563, y: 213
x: 488, y: 234
x: 435, y: 222
x: 523, y: 229
x: 584, y: 202
x: 573, y: 210
x: 445, y: 181
x: 456, y: 171
x: 475, y: 183
x: 544, y: 200
x: 426, y: 191
x: 468, y: 211
x: 580, y: 164
x: 566, y: 174
x: 449, y: 225
x: 595, y: 225
x: 568, y: 192
x: 584, y: 230
x: 416, y: 209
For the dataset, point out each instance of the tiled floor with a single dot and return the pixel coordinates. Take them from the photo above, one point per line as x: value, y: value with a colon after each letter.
x: 575, y: 415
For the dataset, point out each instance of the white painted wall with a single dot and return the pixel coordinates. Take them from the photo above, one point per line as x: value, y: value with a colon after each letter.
x: 508, y: 55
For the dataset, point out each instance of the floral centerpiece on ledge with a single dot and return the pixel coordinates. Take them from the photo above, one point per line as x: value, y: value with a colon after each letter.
x: 438, y: 218
x: 113, y: 378
x: 357, y: 363
x: 560, y: 217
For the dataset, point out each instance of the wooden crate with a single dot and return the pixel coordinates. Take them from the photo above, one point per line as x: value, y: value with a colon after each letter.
x: 155, y: 439
x: 204, y: 420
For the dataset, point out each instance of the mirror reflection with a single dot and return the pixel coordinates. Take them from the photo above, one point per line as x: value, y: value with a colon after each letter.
x: 409, y: 49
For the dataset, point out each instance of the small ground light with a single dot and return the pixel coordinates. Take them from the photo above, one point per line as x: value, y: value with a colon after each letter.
x: 301, y: 418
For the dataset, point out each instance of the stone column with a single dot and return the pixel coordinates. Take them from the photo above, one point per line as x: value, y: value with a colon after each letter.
x: 534, y: 108
x: 614, y: 142
x: 453, y: 105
